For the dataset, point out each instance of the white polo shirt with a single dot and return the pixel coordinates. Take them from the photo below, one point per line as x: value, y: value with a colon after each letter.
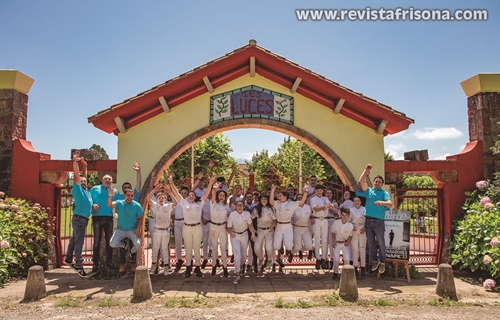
x: 239, y: 221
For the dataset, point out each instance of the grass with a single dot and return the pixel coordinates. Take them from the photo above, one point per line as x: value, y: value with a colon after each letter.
x: 108, y: 302
x: 384, y: 303
x: 184, y: 302
x: 69, y: 302
x: 292, y: 305
x: 445, y: 302
x: 332, y: 300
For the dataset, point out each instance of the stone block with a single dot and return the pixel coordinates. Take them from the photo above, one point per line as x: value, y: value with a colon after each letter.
x: 35, y: 284
x: 142, y: 284
x: 445, y: 286
x: 348, y: 289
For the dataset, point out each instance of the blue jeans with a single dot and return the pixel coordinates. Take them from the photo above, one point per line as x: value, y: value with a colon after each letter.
x: 101, y: 224
x: 120, y: 235
x: 79, y: 225
x: 375, y: 228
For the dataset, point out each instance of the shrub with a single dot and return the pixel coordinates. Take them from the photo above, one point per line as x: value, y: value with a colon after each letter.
x: 475, y: 244
x: 24, y: 237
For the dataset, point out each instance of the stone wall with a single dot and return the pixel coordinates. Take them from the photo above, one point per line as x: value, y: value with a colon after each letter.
x: 13, y: 117
x: 484, y: 117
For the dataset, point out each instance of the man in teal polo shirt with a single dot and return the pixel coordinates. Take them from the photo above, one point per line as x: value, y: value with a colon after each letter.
x: 81, y: 213
x: 130, y: 219
x: 376, y: 201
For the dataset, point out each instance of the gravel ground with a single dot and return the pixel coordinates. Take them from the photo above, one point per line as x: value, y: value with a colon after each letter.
x: 238, y: 308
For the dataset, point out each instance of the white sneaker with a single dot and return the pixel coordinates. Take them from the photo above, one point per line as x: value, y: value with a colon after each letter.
x: 375, y: 265
x: 166, y: 270
x: 381, y: 268
x: 236, y: 280
x: 153, y: 268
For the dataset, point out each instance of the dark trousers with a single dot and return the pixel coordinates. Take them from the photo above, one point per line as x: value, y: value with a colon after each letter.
x: 100, y: 225
x: 123, y: 254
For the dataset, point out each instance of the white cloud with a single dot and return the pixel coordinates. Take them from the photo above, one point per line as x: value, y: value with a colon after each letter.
x: 442, y: 156
x: 396, y: 150
x: 437, y: 134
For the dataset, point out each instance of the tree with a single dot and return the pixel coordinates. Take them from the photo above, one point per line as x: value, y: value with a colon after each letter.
x: 283, y: 167
x: 388, y: 156
x: 99, y: 154
x: 216, y: 147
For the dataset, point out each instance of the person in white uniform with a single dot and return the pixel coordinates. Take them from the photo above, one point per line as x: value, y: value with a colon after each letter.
x: 358, y: 242
x: 192, y: 231
x: 341, y: 237
x: 333, y: 214
x: 237, y: 224
x: 302, y: 239
x: 320, y: 206
x: 284, y: 210
x: 219, y: 211
x: 199, y: 190
x: 178, y: 218
x: 162, y: 211
x: 266, y: 222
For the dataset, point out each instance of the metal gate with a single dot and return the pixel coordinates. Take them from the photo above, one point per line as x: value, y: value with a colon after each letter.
x: 425, y: 206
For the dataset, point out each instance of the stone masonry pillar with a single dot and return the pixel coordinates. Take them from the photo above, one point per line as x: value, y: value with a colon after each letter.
x: 14, y: 88
x: 483, y: 105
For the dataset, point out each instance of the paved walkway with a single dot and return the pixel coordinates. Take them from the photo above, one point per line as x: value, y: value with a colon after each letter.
x: 294, y: 282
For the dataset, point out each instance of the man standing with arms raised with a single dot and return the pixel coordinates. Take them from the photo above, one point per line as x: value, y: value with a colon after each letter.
x: 376, y: 201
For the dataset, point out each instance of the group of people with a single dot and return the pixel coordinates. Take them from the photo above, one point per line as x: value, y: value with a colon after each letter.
x: 262, y: 228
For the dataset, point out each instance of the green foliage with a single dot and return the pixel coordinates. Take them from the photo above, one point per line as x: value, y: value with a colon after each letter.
x: 25, y: 228
x: 99, y: 154
x: 216, y: 147
x: 425, y: 204
x: 384, y: 303
x: 471, y: 242
x: 285, y: 165
x: 388, y: 156
x: 69, y: 302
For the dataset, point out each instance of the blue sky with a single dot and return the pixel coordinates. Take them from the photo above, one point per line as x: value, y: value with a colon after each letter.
x: 88, y: 55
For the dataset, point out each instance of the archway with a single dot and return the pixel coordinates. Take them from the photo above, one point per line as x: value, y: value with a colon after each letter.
x: 324, y: 150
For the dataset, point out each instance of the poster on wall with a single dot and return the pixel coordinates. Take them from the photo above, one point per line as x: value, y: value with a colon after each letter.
x: 397, y: 234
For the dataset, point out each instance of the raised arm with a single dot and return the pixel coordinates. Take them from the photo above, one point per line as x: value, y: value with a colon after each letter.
x: 214, y: 195
x: 209, y: 188
x: 197, y: 182
x: 362, y: 179
x: 301, y: 203
x: 138, y: 180
x: 168, y: 191
x: 111, y: 193
x: 76, y: 169
x: 173, y: 188
x: 152, y: 192
x: 84, y: 172
x: 271, y: 196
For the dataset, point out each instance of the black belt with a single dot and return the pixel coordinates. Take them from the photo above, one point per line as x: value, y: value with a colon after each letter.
x: 80, y: 217
x: 218, y: 224
x: 192, y: 224
x: 167, y: 228
x: 330, y: 218
x: 264, y: 228
x: 300, y: 226
x: 340, y: 241
x: 241, y: 232
x: 320, y: 218
x: 284, y: 222
x: 179, y: 219
x: 370, y: 218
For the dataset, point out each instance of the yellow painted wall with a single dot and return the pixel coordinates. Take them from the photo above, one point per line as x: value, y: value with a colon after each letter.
x: 146, y: 143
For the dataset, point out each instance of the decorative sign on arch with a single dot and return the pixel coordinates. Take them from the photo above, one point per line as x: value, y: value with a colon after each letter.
x: 251, y: 102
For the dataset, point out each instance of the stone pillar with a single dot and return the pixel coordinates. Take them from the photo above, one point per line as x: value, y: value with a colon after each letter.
x: 14, y: 87
x: 483, y: 105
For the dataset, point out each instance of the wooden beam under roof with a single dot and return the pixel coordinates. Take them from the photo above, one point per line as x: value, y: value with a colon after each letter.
x: 381, y: 126
x: 339, y: 106
x: 164, y: 104
x: 208, y: 84
x: 296, y: 84
x: 252, y: 66
x: 120, y: 123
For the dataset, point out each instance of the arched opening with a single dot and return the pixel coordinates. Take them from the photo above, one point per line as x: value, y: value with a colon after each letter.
x: 324, y: 150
